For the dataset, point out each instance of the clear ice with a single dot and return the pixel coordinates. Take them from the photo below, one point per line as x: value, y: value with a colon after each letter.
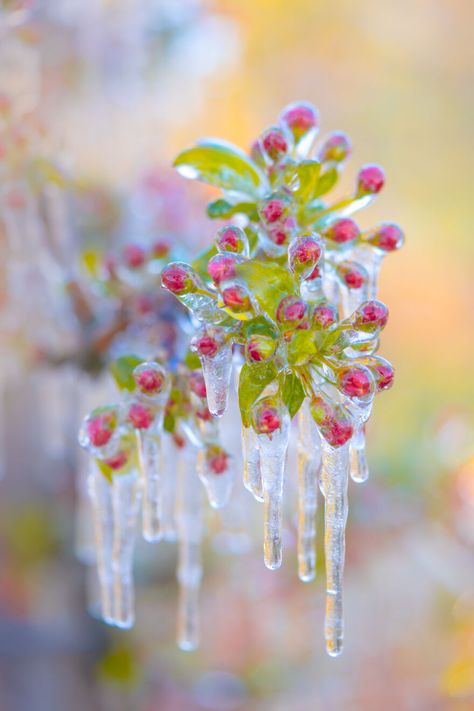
x: 217, y: 373
x: 309, y: 465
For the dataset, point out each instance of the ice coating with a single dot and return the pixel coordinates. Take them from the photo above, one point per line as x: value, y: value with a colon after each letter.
x: 217, y: 372
x: 359, y: 466
x: 100, y: 491
x: 309, y: 465
x: 334, y: 480
x: 84, y: 519
x: 273, y: 450
x: 218, y: 484
x: 251, y: 460
x: 151, y: 467
x: 189, y: 524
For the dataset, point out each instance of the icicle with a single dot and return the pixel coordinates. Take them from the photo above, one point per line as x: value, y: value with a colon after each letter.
x: 188, y: 518
x: 251, y: 457
x: 216, y: 474
x: 150, y: 458
x: 125, y: 513
x: 351, y: 299
x: 217, y: 373
x: 371, y: 259
x: 309, y: 463
x: 335, y: 472
x: 359, y: 466
x: 203, y: 307
x: 273, y: 449
x: 101, y: 496
x: 168, y: 491
x: 84, y: 524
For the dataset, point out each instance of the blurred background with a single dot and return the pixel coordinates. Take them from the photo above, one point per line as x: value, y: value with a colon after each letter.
x: 109, y: 91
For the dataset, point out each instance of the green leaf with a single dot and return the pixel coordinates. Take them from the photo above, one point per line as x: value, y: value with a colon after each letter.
x: 301, y: 348
x: 269, y: 283
x: 261, y: 326
x: 105, y: 470
x: 221, y: 164
x: 253, y: 381
x: 325, y: 183
x: 122, y: 369
x: 292, y: 392
x: 169, y: 423
x: 224, y: 210
x: 303, y: 179
x: 192, y: 361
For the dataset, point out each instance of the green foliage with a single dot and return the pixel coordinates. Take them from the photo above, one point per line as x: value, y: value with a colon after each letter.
x: 301, y: 347
x: 224, y: 210
x: 122, y: 369
x: 223, y: 165
x: 253, y: 380
x: 268, y: 282
x: 292, y: 392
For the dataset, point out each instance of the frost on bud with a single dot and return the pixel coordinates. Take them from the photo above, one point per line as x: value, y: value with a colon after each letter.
x: 301, y: 119
x: 268, y: 415
x: 342, y: 231
x: 334, y: 421
x: 387, y: 237
x: 260, y: 347
x: 98, y: 428
x: 232, y: 239
x: 371, y: 316
x: 273, y: 144
x: 355, y: 381
x: 324, y: 315
x: 134, y: 256
x: 353, y: 275
x: 370, y: 180
x: 336, y: 148
x: 221, y: 268
x: 179, y: 278
x: 291, y: 311
x: 304, y: 254
x: 150, y: 378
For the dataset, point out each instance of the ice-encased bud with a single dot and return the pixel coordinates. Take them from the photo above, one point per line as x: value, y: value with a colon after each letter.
x: 334, y: 421
x: 216, y: 474
x: 304, y: 253
x: 355, y: 381
x: 371, y: 316
x: 370, y: 180
x: 179, y: 278
x: 335, y: 148
x: 343, y: 231
x: 232, y: 239
x: 301, y: 119
x: 387, y: 237
x: 273, y: 144
x: 99, y: 430
x: 150, y: 379
x: 215, y: 352
x: 352, y: 274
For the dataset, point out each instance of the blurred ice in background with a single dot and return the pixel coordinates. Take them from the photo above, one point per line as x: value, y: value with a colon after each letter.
x: 111, y: 90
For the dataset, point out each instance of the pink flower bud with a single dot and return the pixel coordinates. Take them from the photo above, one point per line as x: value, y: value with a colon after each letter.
x: 355, y: 381
x: 291, y: 311
x: 217, y: 459
x: 324, y: 315
x: 370, y: 180
x: 335, y: 148
x: 370, y: 316
x: 267, y: 415
x: 352, y: 274
x: 118, y: 461
x: 140, y: 416
x: 300, y: 118
x: 237, y: 299
x: 197, y: 384
x: 99, y: 427
x: 208, y: 341
x: 232, y: 239
x: 150, y: 378
x: 342, y: 231
x: 273, y: 209
x: 134, y: 256
x: 221, y: 267
x: 260, y: 347
x: 304, y: 253
x: 388, y: 237
x: 179, y: 278
x: 273, y: 144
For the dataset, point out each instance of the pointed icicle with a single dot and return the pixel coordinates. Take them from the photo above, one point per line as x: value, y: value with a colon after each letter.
x: 151, y: 465
x: 215, y: 472
x: 251, y: 457
x: 125, y: 495
x: 309, y: 465
x: 335, y: 473
x: 168, y: 496
x: 217, y: 372
x: 100, y: 491
x: 273, y: 422
x: 84, y: 543
x: 189, y: 573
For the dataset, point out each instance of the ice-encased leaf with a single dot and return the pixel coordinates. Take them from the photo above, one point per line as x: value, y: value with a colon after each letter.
x: 326, y: 182
x: 221, y: 164
x: 292, y: 392
x: 252, y: 382
x: 269, y: 283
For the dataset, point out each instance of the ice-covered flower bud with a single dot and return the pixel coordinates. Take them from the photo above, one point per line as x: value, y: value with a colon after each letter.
x: 301, y: 119
x: 355, y: 381
x: 381, y: 369
x: 342, y: 231
x: 134, y: 256
x: 370, y: 180
x: 268, y: 415
x: 387, y: 237
x: 150, y: 378
x: 334, y: 421
x: 161, y: 249
x: 260, y: 347
x: 324, y: 315
x: 221, y: 268
x: 370, y: 316
x: 291, y: 311
x: 217, y: 459
x: 353, y: 275
x: 335, y: 148
x: 140, y: 416
x: 232, y: 239
x: 99, y: 427
x: 237, y: 299
x: 118, y: 460
x: 304, y: 253
x: 179, y: 278
x: 273, y: 144
x: 208, y: 341
x: 197, y: 384
x: 274, y: 208
x: 282, y: 232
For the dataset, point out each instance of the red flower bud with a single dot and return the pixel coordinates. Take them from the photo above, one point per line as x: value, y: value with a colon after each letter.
x: 140, y: 416
x: 217, y: 459
x: 304, y: 253
x: 260, y: 347
x: 355, y: 381
x: 232, y: 239
x: 324, y: 315
x: 150, y: 378
x: 273, y: 144
x: 335, y: 148
x: 291, y: 311
x: 119, y: 460
x: 134, y: 256
x: 267, y: 415
x: 197, y: 384
x: 300, y: 118
x: 161, y: 249
x: 352, y: 274
x: 342, y: 231
x: 179, y: 278
x: 370, y: 316
x: 221, y: 268
x: 370, y: 180
x: 99, y: 427
x: 237, y: 299
x: 388, y: 237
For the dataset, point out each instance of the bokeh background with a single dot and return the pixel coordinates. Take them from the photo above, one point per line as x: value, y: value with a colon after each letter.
x: 121, y: 89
